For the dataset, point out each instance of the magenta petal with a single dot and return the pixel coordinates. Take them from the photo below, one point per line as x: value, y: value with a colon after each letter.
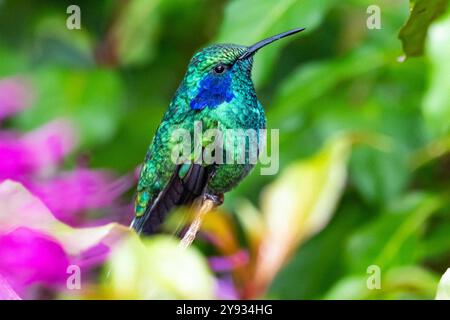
x: 73, y: 193
x: 16, y: 158
x: 6, y: 291
x: 36, y: 152
x: 28, y: 256
x: 93, y: 257
x: 229, y: 263
x: 225, y: 289
x: 15, y: 95
x: 50, y: 143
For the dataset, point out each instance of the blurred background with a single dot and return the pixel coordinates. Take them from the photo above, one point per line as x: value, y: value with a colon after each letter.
x: 360, y: 207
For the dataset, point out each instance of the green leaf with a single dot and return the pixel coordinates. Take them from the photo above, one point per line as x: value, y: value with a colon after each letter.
x: 348, y: 288
x: 436, y: 104
x: 436, y: 149
x: 309, y: 275
x: 11, y: 62
x: 248, y: 21
x: 157, y: 268
x: 436, y: 245
x: 404, y: 282
x: 316, y: 79
x: 392, y: 238
x: 307, y: 192
x: 90, y: 98
x: 299, y: 204
x: 380, y: 176
x: 57, y: 44
x: 135, y: 31
x: 413, y: 34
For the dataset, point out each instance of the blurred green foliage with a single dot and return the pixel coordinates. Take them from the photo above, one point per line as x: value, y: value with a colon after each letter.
x: 413, y: 34
x: 115, y: 77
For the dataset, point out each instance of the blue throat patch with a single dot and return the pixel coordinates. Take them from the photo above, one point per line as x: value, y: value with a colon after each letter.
x: 213, y: 91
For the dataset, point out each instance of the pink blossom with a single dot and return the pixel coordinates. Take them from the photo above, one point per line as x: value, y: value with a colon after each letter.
x: 36, y: 152
x: 50, y: 143
x: 229, y: 263
x: 6, y: 291
x: 29, y: 256
x: 36, y: 248
x: 15, y: 95
x: 73, y: 193
x: 33, y: 159
x: 225, y: 288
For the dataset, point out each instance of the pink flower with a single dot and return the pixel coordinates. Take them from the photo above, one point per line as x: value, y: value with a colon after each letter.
x: 71, y: 194
x: 29, y: 256
x: 33, y: 159
x: 15, y: 95
x: 225, y: 289
x: 36, y: 248
x: 229, y: 263
x: 6, y: 291
x: 37, y: 152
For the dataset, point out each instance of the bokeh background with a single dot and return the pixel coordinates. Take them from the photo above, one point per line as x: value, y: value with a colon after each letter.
x: 364, y: 120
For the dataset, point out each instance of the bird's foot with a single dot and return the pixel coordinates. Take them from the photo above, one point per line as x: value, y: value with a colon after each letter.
x: 216, y: 198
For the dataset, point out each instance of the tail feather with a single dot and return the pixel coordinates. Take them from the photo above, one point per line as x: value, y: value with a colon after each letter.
x: 178, y: 192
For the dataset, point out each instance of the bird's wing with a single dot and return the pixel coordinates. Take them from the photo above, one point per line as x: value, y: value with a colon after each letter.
x: 184, y: 186
x: 181, y: 187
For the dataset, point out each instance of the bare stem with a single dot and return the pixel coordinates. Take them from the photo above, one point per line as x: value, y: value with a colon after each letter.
x: 204, y: 206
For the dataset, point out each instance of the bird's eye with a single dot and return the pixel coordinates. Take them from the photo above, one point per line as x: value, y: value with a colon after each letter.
x: 219, y: 68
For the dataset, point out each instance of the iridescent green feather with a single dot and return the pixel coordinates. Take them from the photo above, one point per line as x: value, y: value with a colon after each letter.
x: 243, y: 111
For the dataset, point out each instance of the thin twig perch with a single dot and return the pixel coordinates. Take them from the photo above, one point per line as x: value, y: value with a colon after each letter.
x: 204, y: 206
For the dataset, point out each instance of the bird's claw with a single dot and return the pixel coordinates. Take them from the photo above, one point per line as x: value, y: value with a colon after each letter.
x: 217, y: 199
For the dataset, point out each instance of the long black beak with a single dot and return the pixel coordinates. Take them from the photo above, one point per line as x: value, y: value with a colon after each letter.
x: 252, y: 49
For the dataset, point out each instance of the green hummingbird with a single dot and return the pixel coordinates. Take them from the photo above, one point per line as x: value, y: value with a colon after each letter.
x: 217, y: 91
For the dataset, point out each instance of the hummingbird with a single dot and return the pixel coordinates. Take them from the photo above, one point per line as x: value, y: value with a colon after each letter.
x: 217, y: 91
